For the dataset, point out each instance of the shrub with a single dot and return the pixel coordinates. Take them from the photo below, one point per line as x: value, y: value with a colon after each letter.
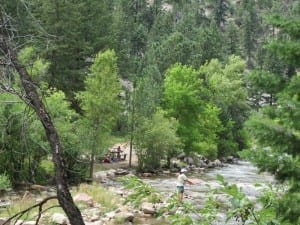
x: 4, y: 182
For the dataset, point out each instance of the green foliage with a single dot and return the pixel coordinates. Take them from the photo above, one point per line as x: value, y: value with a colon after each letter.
x: 209, y: 45
x: 242, y: 208
x: 149, y: 87
x: 156, y: 139
x: 175, y: 48
x: 48, y: 167
x: 276, y: 132
x: 15, y: 156
x: 220, y: 11
x: 287, y: 46
x: 107, y: 199
x: 100, y: 100
x: 185, y: 99
x: 232, y: 40
x: 63, y: 118
x: 100, y: 103
x: 209, y: 211
x: 185, y: 212
x: 250, y: 30
x: 249, y: 211
x: 140, y: 191
x: 26, y: 151
x: 66, y: 38
x: 36, y: 66
x: 148, y: 37
x: 228, y: 93
x: 4, y: 182
x: 181, y: 217
x: 289, y: 206
x: 261, y: 84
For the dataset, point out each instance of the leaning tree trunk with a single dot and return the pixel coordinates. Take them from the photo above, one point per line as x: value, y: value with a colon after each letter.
x: 63, y: 194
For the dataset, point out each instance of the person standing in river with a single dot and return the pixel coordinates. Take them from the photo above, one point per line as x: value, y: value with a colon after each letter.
x: 181, y: 180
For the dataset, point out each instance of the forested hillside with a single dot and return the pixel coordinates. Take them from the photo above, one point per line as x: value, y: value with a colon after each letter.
x: 207, y: 77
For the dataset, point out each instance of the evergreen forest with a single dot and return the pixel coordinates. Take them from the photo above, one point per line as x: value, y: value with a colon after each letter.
x: 215, y: 78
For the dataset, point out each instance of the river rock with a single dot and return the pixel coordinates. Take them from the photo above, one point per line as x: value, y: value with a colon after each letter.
x: 37, y: 187
x: 94, y: 223
x: 94, y: 213
x: 127, y: 216
x: 111, y: 173
x: 29, y: 223
x: 181, y: 156
x: 166, y: 172
x: 121, y: 172
x: 4, y: 203
x: 147, y: 174
x: 110, y: 215
x: 175, y: 164
x: 101, y: 176
x: 201, y: 163
x: 229, y: 159
x: 59, y: 218
x: 211, y: 165
x: 2, y: 220
x: 85, y: 198
x: 148, y: 208
x: 95, y: 218
x: 174, y: 170
x: 189, y: 160
x: 217, y: 163
x: 19, y: 222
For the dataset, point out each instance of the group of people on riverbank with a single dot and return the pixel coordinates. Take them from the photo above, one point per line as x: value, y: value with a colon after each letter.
x: 115, y: 155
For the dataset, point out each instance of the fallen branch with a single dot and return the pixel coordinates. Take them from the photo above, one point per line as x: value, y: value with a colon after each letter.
x: 40, y: 205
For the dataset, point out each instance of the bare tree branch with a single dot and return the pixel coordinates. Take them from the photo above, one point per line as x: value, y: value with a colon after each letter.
x: 11, y: 90
x: 40, y: 205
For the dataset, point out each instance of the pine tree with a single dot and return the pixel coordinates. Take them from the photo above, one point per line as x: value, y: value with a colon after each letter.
x: 276, y: 128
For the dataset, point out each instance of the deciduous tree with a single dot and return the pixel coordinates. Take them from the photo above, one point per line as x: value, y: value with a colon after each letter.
x: 185, y: 98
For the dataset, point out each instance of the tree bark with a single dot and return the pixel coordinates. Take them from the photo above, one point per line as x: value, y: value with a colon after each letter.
x: 63, y: 194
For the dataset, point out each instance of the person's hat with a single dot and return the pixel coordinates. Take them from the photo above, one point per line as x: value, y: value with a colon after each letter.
x: 183, y: 170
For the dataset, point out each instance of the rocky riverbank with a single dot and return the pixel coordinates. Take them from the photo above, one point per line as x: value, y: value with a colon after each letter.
x: 94, y: 213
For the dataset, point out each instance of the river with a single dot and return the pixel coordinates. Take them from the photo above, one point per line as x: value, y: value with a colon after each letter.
x: 242, y: 173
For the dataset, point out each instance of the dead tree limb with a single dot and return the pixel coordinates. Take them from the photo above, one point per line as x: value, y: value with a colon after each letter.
x: 63, y: 194
x: 40, y: 205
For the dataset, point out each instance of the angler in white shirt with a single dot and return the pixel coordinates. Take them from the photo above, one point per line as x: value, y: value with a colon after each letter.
x: 181, y: 180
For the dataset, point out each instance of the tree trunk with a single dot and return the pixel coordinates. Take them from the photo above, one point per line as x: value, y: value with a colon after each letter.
x: 132, y: 125
x: 92, y: 164
x: 63, y: 194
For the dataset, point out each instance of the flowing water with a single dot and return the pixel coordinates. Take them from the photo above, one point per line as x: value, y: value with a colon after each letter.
x: 243, y: 174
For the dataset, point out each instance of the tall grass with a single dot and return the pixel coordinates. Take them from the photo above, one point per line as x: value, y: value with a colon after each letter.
x: 100, y: 195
